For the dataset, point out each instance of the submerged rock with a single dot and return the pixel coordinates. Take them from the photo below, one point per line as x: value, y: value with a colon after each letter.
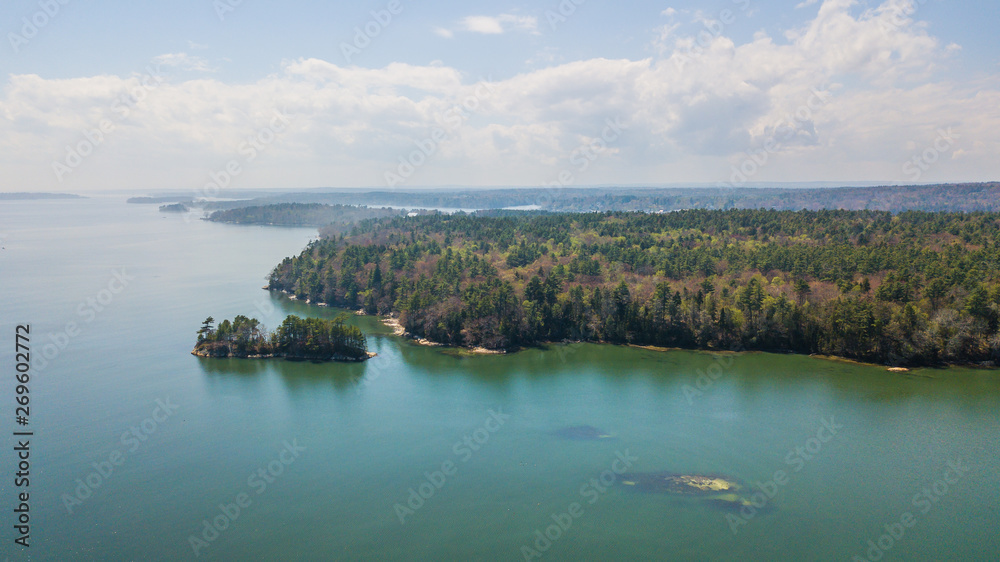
x: 717, y: 489
x: 678, y: 483
x: 582, y: 433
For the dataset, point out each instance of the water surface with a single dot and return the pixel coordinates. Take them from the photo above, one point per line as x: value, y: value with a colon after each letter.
x: 373, y: 432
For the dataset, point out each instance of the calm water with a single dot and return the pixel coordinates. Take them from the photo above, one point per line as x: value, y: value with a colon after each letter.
x: 372, y: 432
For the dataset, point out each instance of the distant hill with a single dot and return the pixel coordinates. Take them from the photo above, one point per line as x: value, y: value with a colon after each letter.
x: 967, y: 197
x: 302, y: 214
x: 29, y: 196
x: 896, y: 199
x: 158, y: 200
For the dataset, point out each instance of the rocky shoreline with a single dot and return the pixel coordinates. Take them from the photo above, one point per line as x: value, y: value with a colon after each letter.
x: 399, y: 330
x: 223, y: 355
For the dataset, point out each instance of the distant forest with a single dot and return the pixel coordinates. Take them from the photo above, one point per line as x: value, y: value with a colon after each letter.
x: 7, y: 196
x: 302, y: 214
x: 914, y: 288
x: 157, y: 200
x: 975, y: 197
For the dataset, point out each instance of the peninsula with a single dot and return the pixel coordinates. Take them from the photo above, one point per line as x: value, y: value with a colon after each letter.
x: 909, y: 289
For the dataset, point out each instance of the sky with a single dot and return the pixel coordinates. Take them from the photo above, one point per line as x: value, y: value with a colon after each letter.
x: 209, y: 95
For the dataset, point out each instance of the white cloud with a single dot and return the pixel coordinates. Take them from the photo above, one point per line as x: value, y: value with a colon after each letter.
x: 184, y: 61
x: 495, y: 25
x: 545, y: 57
x: 482, y: 24
x: 442, y: 32
x: 669, y: 12
x: 690, y: 115
x: 663, y: 34
x: 805, y: 3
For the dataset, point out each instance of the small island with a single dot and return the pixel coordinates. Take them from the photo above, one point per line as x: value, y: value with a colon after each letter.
x: 338, y: 217
x: 174, y: 208
x: 314, y: 339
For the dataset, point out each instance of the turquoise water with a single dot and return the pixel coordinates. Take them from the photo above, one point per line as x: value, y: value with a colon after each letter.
x: 365, y: 435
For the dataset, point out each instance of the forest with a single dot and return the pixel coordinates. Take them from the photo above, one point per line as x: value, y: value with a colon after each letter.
x: 943, y: 197
x: 174, y: 208
x: 296, y: 338
x: 916, y: 288
x: 302, y: 214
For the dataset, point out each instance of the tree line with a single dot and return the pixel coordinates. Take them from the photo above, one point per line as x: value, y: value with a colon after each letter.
x: 909, y: 289
x: 301, y: 214
x: 966, y: 197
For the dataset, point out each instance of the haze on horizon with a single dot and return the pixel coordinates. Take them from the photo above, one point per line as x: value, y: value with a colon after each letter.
x: 310, y: 94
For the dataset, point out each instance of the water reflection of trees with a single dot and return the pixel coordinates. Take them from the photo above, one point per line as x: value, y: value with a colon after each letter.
x: 750, y: 379
x: 294, y: 374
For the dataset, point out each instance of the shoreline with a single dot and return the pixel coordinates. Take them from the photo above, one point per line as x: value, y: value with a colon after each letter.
x: 398, y: 330
x: 336, y: 358
x: 850, y: 361
x: 663, y: 349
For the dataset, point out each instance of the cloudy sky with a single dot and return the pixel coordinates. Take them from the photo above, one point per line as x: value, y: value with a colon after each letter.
x: 102, y: 95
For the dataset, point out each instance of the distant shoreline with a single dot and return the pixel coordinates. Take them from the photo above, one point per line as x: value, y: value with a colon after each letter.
x: 24, y: 196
